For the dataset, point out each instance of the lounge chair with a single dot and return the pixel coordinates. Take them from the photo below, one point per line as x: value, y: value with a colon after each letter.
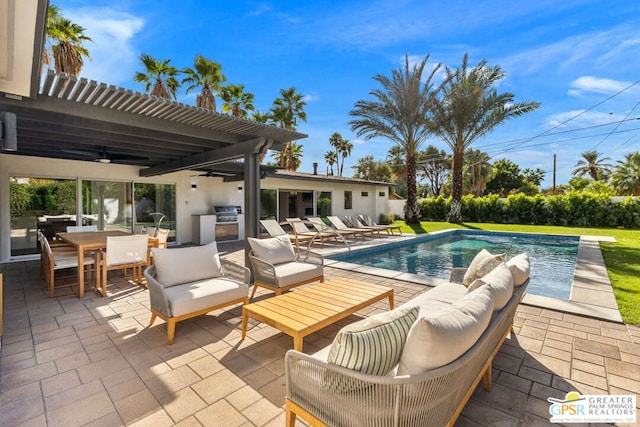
x: 274, y: 230
x: 301, y: 229
x: 320, y: 226
x: 368, y: 221
x: 339, y: 225
x: 353, y: 222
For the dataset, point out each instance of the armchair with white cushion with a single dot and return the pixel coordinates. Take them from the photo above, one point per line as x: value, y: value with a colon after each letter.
x: 192, y: 281
x: 279, y: 266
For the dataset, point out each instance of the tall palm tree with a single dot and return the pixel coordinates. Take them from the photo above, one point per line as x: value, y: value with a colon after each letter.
x: 292, y: 157
x: 469, y: 109
x: 259, y: 117
x: 331, y: 158
x: 207, y: 75
x: 286, y: 111
x: 626, y: 176
x: 344, y: 149
x: 477, y: 171
x: 594, y: 165
x: 160, y: 77
x: 53, y: 15
x: 68, y: 43
x: 400, y: 113
x: 236, y: 100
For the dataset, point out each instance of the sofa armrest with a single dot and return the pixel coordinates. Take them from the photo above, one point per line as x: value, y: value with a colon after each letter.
x: 457, y: 274
x: 235, y: 271
x: 263, y: 271
x: 309, y: 256
x: 157, y: 296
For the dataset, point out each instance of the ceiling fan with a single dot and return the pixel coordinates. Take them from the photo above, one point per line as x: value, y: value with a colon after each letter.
x: 103, y: 156
x: 213, y: 174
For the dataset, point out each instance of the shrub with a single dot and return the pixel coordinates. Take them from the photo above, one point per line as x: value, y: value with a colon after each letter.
x: 386, y: 219
x: 434, y: 208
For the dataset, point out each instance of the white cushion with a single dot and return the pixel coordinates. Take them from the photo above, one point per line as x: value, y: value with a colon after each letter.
x: 184, y: 265
x: 439, y: 338
x: 292, y: 272
x: 520, y: 268
x: 482, y: 264
x: 195, y: 296
x: 274, y: 250
x: 500, y: 282
x: 372, y: 345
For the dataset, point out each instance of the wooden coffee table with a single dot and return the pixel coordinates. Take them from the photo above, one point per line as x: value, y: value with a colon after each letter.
x: 306, y: 310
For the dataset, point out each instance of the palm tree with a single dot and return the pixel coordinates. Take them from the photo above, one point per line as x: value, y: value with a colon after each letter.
x: 434, y: 165
x: 159, y: 74
x: 206, y: 74
x: 291, y: 158
x: 594, y: 165
x: 478, y: 171
x: 626, y: 176
x: 68, y: 50
x: 53, y: 15
x: 400, y: 113
x: 344, y: 149
x: 259, y: 117
x: 470, y: 108
x: 396, y: 159
x: 236, y: 100
x: 286, y: 111
x: 331, y: 158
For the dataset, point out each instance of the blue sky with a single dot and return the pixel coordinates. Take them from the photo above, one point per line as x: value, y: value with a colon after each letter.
x: 578, y: 58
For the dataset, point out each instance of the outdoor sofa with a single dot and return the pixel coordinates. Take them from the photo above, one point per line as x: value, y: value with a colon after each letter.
x: 454, y: 333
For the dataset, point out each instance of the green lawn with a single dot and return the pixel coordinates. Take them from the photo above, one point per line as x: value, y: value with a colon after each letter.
x: 622, y: 258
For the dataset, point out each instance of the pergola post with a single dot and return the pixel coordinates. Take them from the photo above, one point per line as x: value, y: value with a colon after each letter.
x: 252, y: 195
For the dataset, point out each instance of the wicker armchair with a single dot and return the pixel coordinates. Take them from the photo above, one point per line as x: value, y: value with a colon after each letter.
x: 277, y: 272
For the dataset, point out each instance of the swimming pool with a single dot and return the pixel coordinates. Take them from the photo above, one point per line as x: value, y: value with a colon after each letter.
x: 553, y: 257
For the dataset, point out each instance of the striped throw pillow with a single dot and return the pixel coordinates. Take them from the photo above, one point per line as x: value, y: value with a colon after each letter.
x: 372, y: 346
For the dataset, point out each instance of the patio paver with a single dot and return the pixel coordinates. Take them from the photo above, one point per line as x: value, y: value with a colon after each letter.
x: 71, y: 361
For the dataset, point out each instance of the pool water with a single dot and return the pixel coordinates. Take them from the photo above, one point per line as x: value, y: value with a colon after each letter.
x: 553, y: 258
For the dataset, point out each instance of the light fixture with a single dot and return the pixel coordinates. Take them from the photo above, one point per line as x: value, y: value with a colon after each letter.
x: 103, y: 160
x: 194, y: 185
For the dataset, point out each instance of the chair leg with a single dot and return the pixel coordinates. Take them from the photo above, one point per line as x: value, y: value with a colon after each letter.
x: 171, y: 330
x: 153, y: 318
x: 255, y: 288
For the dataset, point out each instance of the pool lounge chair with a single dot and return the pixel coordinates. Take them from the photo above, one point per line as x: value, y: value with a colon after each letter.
x: 319, y: 225
x: 274, y: 229
x: 369, y: 222
x: 353, y: 222
x: 300, y: 228
x: 339, y: 225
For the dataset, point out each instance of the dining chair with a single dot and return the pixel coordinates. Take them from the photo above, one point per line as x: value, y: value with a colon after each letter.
x: 162, y: 234
x: 122, y: 252
x: 61, y: 259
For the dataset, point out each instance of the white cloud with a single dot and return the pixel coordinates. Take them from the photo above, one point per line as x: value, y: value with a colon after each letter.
x: 580, y: 118
x: 114, y: 59
x: 310, y: 98
x: 597, y: 85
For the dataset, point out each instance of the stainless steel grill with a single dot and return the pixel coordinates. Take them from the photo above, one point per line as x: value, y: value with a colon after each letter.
x: 225, y: 213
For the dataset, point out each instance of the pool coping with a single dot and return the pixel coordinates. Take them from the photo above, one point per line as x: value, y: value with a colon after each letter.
x: 591, y: 291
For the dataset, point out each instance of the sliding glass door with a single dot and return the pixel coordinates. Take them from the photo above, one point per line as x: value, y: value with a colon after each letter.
x: 50, y: 205
x: 44, y: 204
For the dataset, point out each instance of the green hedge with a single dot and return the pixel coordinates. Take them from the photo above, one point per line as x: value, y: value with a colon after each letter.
x: 582, y: 209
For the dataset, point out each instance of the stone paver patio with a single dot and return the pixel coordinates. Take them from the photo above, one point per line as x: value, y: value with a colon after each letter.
x: 94, y: 361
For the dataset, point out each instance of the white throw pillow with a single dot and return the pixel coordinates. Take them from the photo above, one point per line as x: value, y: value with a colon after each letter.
x: 520, y: 268
x: 441, y: 337
x: 274, y: 250
x: 184, y: 265
x: 482, y: 264
x: 500, y: 281
x: 372, y: 346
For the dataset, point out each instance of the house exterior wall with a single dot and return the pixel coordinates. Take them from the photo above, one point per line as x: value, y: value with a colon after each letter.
x: 208, y: 192
x: 373, y: 204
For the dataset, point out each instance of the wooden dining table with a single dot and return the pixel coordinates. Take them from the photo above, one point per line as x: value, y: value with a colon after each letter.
x: 87, y: 241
